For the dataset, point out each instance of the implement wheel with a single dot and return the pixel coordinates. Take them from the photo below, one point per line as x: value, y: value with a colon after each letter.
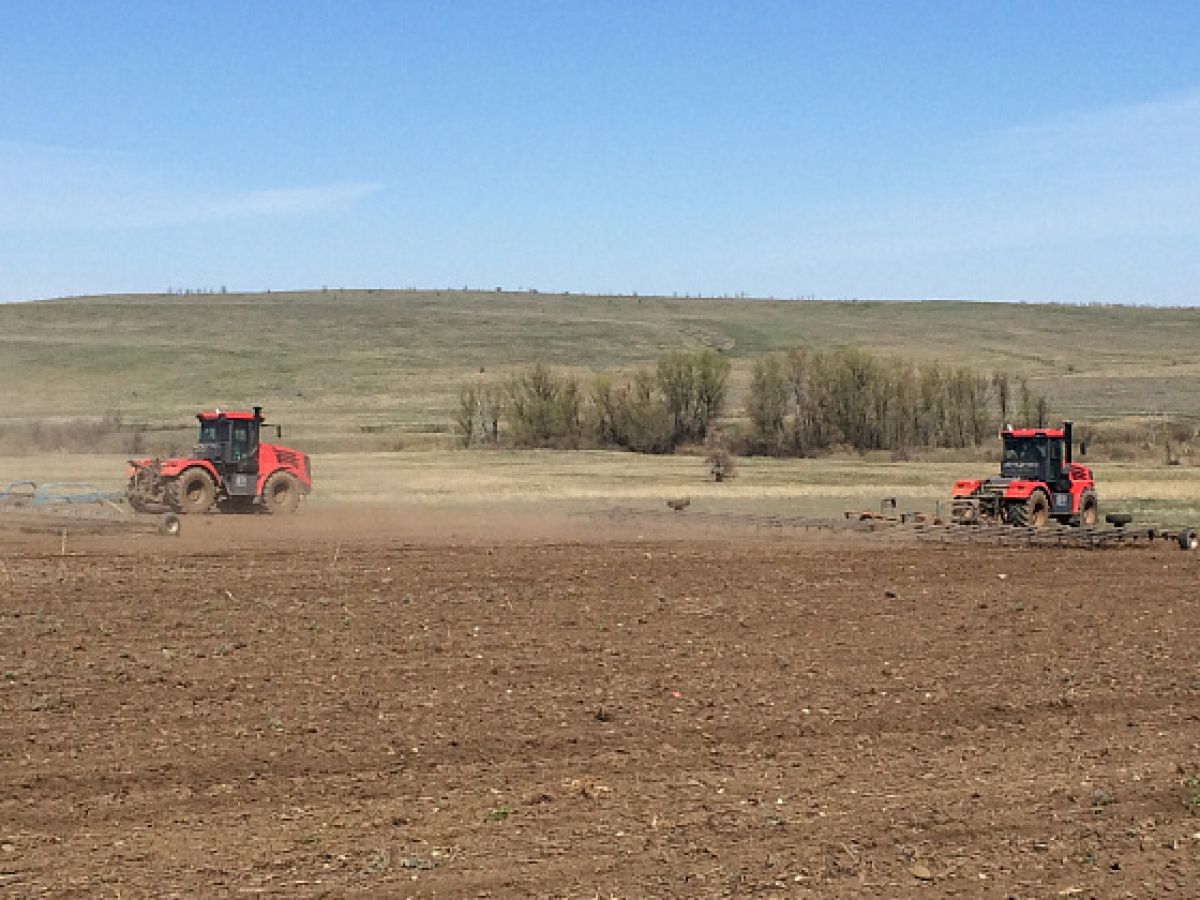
x: 1188, y: 539
x: 281, y: 494
x: 194, y: 492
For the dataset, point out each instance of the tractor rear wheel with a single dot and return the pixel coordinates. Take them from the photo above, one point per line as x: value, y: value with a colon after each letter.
x: 1033, y: 513
x: 195, y: 491
x: 281, y: 493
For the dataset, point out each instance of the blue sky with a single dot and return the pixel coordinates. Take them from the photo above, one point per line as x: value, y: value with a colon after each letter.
x: 984, y: 150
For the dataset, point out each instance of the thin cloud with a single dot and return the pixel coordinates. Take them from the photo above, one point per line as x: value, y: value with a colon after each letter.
x: 1128, y: 172
x: 1157, y: 135
x: 53, y: 188
x: 288, y: 202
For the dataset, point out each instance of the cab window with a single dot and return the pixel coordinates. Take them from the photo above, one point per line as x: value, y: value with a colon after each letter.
x: 212, y: 432
x: 240, y: 448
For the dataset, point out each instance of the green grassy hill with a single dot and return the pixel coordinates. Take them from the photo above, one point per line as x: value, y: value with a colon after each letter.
x: 374, y: 369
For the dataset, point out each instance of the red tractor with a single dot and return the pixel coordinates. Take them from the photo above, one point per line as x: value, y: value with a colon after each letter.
x: 1038, y: 482
x: 230, y: 468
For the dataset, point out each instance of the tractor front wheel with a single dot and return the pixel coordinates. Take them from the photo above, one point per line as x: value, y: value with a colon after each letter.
x: 195, y: 492
x: 1033, y: 513
x: 281, y: 493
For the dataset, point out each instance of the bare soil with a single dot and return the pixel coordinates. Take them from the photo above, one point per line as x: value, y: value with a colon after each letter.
x: 455, y: 705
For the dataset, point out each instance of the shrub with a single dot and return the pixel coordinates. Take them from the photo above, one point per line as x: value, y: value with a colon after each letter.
x: 544, y: 408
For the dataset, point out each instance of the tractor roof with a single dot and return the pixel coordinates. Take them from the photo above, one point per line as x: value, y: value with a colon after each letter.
x: 215, y: 414
x: 1034, y: 432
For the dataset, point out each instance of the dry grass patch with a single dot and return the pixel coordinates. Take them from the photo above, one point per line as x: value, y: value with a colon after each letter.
x: 598, y: 479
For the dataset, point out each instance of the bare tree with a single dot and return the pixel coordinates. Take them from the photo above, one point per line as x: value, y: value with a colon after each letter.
x: 468, y: 413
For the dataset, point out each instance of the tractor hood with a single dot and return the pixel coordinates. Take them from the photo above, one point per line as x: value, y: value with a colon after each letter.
x: 168, y: 467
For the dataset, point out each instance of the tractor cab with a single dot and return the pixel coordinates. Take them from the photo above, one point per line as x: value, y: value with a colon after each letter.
x: 1037, y: 454
x: 229, y: 440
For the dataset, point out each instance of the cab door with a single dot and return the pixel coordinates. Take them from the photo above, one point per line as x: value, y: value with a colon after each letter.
x: 242, y: 465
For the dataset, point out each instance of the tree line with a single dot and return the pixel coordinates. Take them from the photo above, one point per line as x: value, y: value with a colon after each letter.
x: 804, y: 403
x: 649, y: 410
x: 801, y: 403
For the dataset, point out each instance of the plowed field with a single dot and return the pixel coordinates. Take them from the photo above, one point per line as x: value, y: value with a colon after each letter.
x: 341, y: 707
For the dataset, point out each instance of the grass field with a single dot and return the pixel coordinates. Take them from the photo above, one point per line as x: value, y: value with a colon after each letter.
x: 376, y: 370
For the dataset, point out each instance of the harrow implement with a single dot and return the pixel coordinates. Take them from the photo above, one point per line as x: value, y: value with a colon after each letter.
x: 928, y: 528
x: 53, y: 506
x: 1096, y: 537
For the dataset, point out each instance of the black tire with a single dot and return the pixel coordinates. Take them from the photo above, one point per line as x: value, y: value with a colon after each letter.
x: 1120, y: 520
x: 281, y: 494
x: 1033, y: 513
x: 194, y: 492
x: 169, y: 525
x: 1188, y: 539
x: 1089, y: 510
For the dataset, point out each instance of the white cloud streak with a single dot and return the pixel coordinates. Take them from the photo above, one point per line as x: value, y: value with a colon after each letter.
x: 57, y: 189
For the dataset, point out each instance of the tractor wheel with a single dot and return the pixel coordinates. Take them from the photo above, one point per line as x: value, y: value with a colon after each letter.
x: 1089, y: 510
x: 194, y: 491
x: 1033, y: 513
x: 281, y: 494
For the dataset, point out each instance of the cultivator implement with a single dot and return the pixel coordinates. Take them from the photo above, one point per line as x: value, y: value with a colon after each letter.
x: 55, y: 506
x: 926, y: 528
x: 1097, y: 537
